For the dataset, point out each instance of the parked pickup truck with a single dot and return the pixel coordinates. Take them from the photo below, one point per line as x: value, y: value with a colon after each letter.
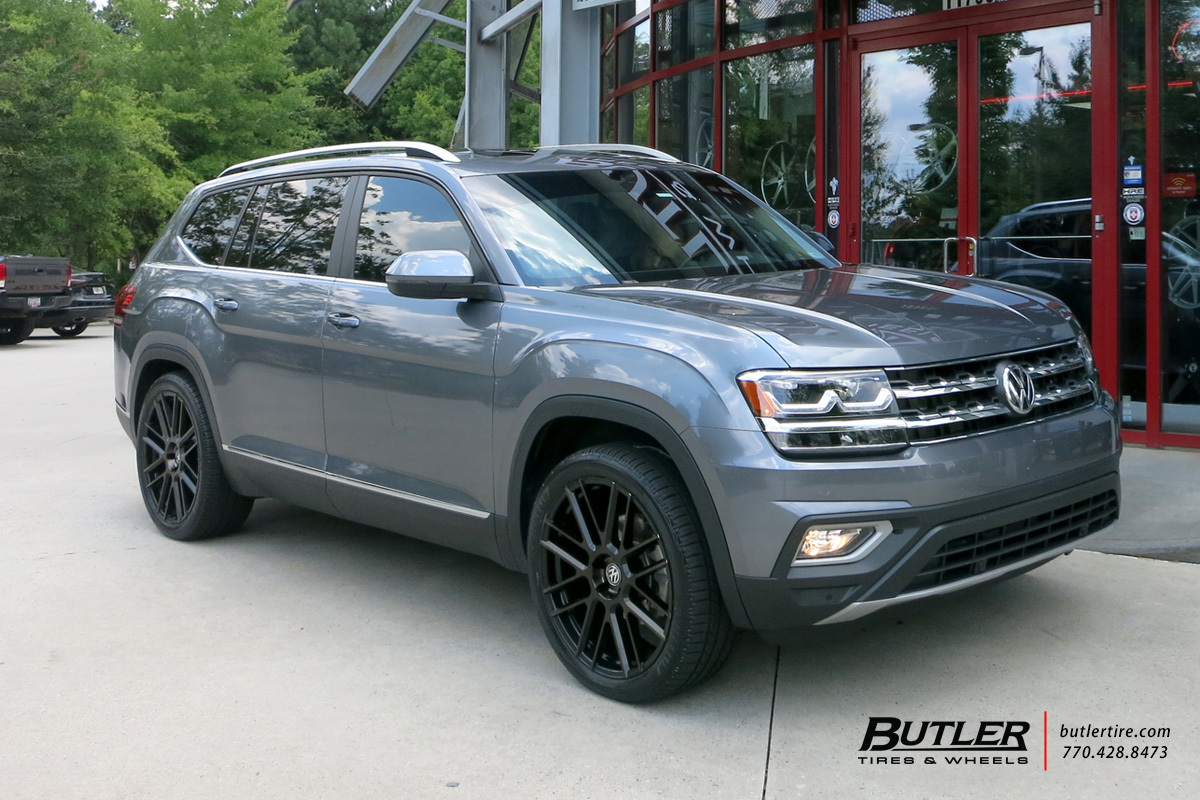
x: 29, y: 287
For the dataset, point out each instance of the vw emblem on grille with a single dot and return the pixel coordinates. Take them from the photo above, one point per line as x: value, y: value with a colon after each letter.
x: 612, y: 574
x: 1016, y: 387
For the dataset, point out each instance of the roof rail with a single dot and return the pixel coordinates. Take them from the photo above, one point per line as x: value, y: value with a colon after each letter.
x: 416, y: 149
x: 630, y: 149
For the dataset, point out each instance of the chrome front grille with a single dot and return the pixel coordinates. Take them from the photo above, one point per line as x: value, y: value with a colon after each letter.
x: 946, y: 401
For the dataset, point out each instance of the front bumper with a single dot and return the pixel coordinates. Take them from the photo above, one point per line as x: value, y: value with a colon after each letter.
x: 1001, y: 502
x: 939, y: 550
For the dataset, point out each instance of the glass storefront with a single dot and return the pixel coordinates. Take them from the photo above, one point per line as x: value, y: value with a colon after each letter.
x: 1179, y: 214
x: 985, y: 139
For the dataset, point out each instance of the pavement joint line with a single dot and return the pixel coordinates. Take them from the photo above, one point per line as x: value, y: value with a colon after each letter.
x: 771, y: 722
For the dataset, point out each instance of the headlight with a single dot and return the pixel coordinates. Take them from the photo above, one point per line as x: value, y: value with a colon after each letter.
x: 822, y: 412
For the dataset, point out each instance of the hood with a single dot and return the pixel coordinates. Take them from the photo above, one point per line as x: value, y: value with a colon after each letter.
x: 859, y: 315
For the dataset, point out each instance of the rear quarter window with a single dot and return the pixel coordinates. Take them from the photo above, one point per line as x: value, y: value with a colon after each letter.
x: 207, y: 232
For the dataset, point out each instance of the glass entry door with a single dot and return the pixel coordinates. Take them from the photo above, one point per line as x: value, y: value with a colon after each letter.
x: 975, y: 154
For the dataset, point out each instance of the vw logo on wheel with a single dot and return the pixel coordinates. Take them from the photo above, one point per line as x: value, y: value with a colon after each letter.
x: 612, y: 574
x: 1016, y: 387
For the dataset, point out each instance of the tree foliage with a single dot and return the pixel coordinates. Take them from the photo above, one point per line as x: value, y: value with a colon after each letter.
x: 109, y: 116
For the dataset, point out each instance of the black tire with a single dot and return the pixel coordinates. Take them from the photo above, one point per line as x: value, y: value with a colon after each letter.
x: 15, y: 331
x: 179, y: 470
x: 621, y: 577
x: 70, y: 331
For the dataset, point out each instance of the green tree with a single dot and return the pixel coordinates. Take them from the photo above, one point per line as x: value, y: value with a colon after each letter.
x: 81, y: 164
x: 221, y: 78
x: 333, y: 38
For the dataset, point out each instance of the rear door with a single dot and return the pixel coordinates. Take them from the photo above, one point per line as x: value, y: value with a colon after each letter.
x: 269, y: 302
x: 408, y: 382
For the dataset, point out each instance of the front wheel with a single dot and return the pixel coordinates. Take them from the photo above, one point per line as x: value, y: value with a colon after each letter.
x: 70, y: 331
x: 621, y: 576
x: 179, y: 471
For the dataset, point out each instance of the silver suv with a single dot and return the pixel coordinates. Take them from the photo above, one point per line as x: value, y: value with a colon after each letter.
x: 621, y: 374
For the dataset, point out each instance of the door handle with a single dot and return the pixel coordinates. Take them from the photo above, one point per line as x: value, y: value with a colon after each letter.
x: 226, y: 303
x: 971, y: 252
x: 340, y: 320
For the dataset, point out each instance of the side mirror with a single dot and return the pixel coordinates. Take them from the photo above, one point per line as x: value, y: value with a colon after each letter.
x: 430, y: 274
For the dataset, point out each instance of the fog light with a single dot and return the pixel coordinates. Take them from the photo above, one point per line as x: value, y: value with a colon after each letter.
x: 825, y: 541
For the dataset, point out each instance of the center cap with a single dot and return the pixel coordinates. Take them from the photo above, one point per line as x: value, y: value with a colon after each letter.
x: 612, y: 574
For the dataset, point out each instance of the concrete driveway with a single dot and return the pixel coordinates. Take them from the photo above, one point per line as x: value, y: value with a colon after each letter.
x: 310, y: 658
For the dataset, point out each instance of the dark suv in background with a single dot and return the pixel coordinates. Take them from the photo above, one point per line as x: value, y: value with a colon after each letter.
x: 618, y: 373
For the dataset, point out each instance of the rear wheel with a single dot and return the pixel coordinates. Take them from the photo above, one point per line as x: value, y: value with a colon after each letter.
x: 70, y: 331
x: 621, y: 576
x: 179, y: 471
x: 15, y: 331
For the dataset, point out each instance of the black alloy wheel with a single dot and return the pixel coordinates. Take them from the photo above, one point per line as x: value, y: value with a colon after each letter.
x: 70, y: 331
x: 183, y: 484
x: 621, y: 576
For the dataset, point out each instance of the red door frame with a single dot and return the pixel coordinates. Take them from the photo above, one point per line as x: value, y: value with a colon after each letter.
x: 964, y: 28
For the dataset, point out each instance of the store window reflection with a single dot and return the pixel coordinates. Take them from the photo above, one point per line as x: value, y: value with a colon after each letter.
x: 633, y: 117
x: 1180, y: 215
x: 1035, y: 122
x: 770, y: 129
x: 683, y: 123
x: 909, y: 155
x: 750, y: 22
x: 683, y: 32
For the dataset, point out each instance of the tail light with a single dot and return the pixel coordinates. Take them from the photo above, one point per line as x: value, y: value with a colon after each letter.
x: 121, y: 306
x: 3, y: 274
x: 68, y: 276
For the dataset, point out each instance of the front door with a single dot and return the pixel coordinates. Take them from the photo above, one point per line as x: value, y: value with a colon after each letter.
x: 975, y: 153
x: 408, y: 381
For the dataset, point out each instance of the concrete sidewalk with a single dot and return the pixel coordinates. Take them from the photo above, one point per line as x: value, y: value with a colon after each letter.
x: 310, y: 658
x: 1160, y: 506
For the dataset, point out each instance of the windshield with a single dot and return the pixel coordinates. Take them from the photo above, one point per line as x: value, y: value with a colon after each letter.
x: 627, y: 225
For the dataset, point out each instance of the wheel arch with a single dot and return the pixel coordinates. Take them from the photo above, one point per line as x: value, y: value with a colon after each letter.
x: 565, y: 424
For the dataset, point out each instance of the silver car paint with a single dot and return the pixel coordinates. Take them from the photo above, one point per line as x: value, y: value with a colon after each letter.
x: 415, y: 416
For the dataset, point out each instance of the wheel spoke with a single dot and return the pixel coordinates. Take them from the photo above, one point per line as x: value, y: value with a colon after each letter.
x: 599, y: 639
x: 580, y: 521
x: 610, y: 517
x: 650, y: 570
x: 619, y: 640
x: 153, y: 445
x: 558, y: 612
x: 177, y: 498
x: 651, y: 600
x: 164, y: 492
x: 645, y: 618
x: 640, y: 546
x: 187, y: 481
x: 584, y: 628
x: 561, y: 584
x: 575, y: 563
x: 176, y: 415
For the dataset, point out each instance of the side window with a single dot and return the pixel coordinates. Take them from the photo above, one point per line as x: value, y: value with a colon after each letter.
x: 243, y: 238
x: 289, y: 226
x: 207, y: 232
x: 400, y: 215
